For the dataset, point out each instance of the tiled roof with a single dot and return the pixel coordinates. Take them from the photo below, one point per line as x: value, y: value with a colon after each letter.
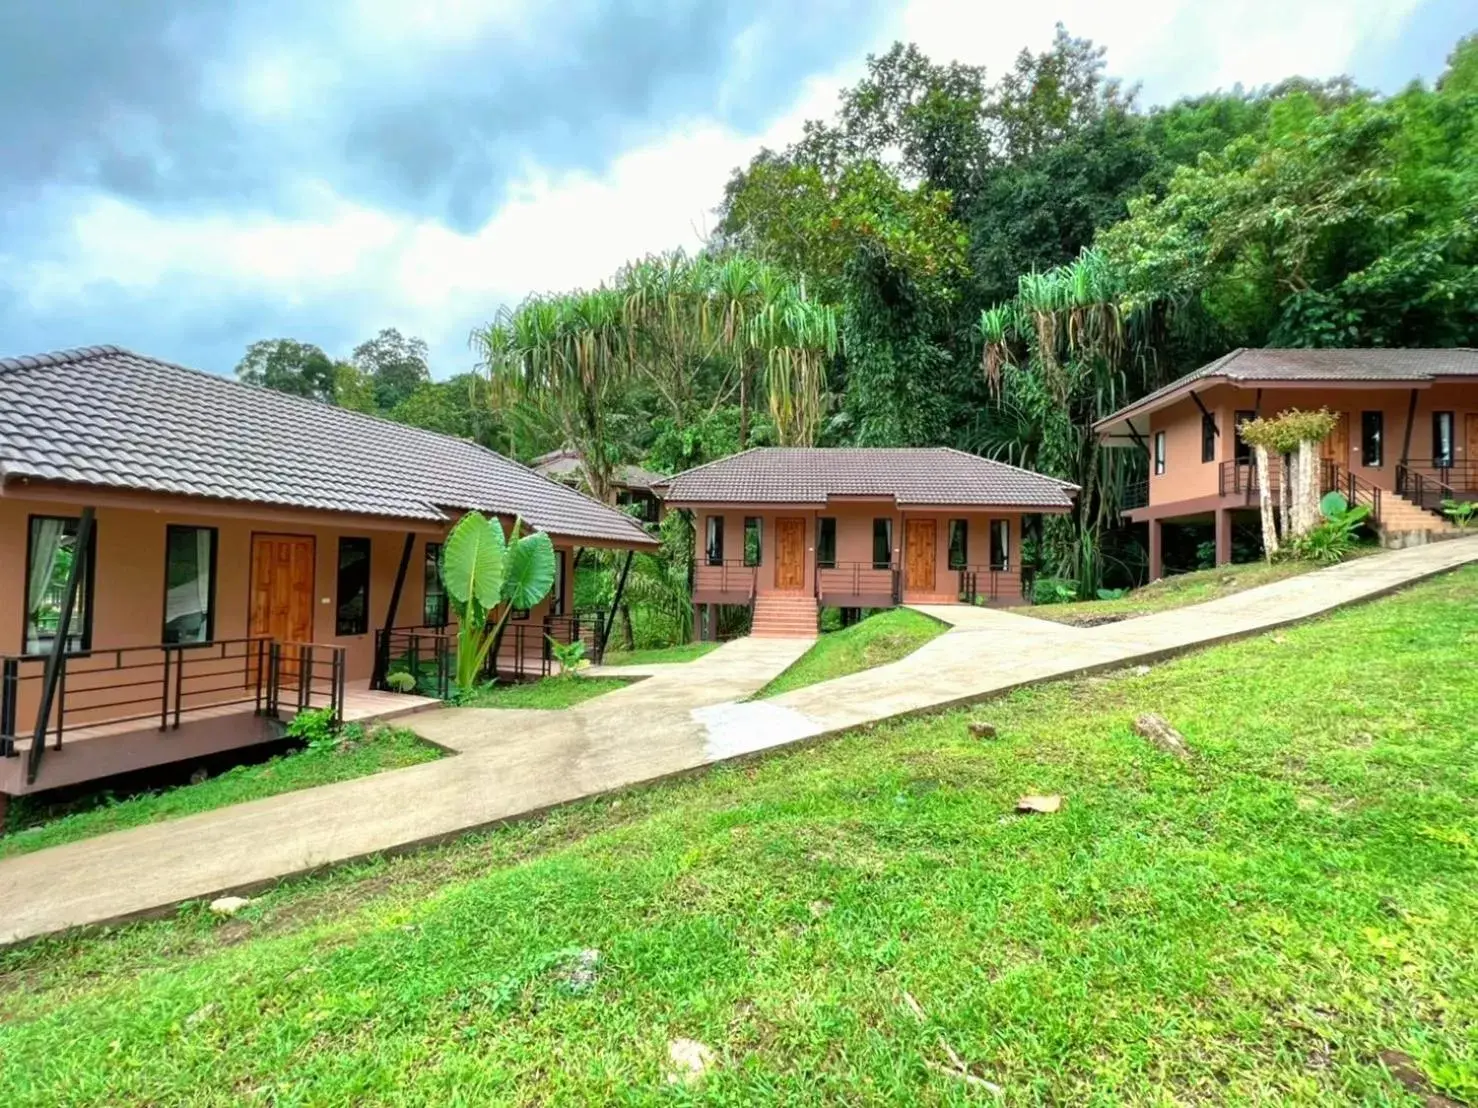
x: 1266, y: 365
x: 106, y: 417
x: 933, y: 475
x: 564, y: 465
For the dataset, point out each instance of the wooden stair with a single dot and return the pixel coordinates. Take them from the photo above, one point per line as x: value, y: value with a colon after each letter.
x: 784, y: 616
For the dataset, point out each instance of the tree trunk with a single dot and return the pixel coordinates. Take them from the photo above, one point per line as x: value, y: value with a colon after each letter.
x: 743, y: 407
x: 1308, y: 460
x: 1265, y: 505
x: 1285, y: 497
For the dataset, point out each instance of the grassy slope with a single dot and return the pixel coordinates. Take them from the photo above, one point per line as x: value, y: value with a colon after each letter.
x: 1254, y: 926
x: 551, y: 692
x: 1173, y: 592
x: 662, y: 654
x: 877, y: 640
x: 387, y: 748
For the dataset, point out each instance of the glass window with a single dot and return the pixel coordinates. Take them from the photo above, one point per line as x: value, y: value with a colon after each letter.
x: 826, y: 542
x: 354, y: 580
x: 189, y: 584
x: 561, y: 577
x: 1000, y: 544
x: 752, y: 540
x: 1208, y: 438
x: 959, y: 543
x: 1244, y: 451
x: 882, y: 544
x: 51, y: 551
x: 715, y: 544
x: 1442, y: 424
x: 1159, y: 453
x: 434, y: 610
x: 1372, y: 434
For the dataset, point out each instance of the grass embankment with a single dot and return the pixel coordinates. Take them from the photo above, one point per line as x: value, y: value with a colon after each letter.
x: 876, y: 641
x: 661, y: 655
x: 1257, y: 925
x: 33, y: 824
x: 549, y: 693
x: 1171, y: 592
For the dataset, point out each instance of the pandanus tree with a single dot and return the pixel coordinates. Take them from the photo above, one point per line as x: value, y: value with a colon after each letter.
x: 488, y: 575
x: 682, y: 326
x: 1293, y: 436
x: 1057, y: 357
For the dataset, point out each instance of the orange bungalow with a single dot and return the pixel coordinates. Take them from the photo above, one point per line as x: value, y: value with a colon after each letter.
x: 184, y: 559
x: 787, y: 531
x: 1406, y: 439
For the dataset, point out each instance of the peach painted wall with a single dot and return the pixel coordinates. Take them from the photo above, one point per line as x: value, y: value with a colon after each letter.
x: 1187, y: 477
x: 128, y: 592
x: 854, y: 525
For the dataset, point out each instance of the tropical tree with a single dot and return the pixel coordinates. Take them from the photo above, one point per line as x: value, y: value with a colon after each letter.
x: 286, y: 365
x: 487, y: 576
x: 395, y: 365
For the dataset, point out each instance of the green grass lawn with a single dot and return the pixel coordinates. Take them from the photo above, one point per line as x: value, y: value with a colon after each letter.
x: 1172, y: 592
x: 877, y: 640
x: 1257, y: 925
x: 551, y: 692
x: 663, y: 654
x: 32, y: 825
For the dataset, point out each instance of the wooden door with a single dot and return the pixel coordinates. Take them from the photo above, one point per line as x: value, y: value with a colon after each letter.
x: 282, y: 587
x: 1337, y: 445
x: 790, y: 553
x: 919, y: 555
x: 1468, y: 475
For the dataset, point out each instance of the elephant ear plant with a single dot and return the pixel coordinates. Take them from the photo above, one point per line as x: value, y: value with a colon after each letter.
x: 486, y: 574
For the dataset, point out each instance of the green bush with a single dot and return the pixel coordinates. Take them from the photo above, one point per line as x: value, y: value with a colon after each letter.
x: 1054, y: 590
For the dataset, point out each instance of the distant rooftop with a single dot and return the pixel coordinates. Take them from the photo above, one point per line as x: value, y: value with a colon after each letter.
x: 934, y: 476
x: 103, y: 416
x: 564, y: 465
x: 1274, y: 366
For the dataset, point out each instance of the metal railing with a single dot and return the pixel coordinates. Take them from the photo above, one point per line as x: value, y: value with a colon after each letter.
x: 970, y: 578
x: 728, y: 576
x: 128, y: 685
x: 1355, y: 489
x: 304, y: 676
x: 1428, y: 486
x: 430, y: 653
x: 1135, y: 495
x: 859, y: 580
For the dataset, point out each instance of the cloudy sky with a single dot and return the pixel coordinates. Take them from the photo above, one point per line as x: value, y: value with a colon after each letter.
x: 185, y: 176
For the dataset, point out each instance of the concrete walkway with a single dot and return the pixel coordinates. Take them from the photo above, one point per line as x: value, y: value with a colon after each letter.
x: 513, y: 763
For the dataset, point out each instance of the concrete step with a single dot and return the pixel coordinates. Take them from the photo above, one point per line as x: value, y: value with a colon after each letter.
x: 784, y: 616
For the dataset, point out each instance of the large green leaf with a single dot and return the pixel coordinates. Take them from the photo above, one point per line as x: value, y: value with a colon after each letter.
x: 472, y: 562
x: 530, y: 569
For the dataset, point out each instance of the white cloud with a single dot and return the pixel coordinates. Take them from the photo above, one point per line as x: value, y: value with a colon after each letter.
x: 562, y: 230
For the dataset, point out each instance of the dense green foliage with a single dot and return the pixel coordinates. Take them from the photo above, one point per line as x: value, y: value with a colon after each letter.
x: 989, y: 264
x: 1261, y: 924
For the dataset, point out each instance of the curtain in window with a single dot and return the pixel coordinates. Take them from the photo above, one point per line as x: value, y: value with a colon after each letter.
x: 46, y: 544
x: 202, y: 575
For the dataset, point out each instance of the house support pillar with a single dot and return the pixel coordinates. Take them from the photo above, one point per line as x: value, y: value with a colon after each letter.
x: 1223, y: 536
x: 1157, y: 552
x: 382, y: 651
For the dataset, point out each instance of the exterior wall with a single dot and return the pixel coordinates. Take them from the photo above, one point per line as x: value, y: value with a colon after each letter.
x: 1188, y: 478
x: 853, y: 576
x: 128, y: 599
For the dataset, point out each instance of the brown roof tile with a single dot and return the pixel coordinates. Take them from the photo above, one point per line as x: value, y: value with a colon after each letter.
x: 810, y: 475
x: 103, y: 416
x: 1398, y: 366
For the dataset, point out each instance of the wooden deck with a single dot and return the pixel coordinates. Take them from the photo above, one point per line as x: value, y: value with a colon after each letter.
x: 101, y: 750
